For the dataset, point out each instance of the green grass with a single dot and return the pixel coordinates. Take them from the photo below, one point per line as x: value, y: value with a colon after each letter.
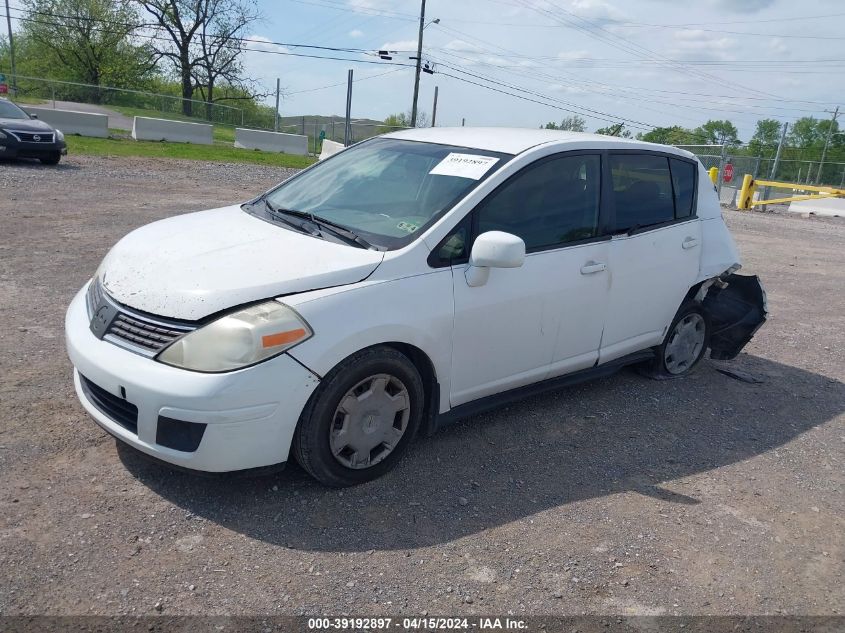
x: 85, y: 146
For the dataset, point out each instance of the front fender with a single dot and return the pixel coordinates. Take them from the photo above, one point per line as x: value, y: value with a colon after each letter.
x: 416, y: 311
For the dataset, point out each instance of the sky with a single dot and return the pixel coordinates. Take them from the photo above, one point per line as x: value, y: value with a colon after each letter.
x: 644, y: 63
x: 647, y: 62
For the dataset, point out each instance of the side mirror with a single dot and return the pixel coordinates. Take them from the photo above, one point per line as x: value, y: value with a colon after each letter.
x: 33, y: 116
x: 494, y: 249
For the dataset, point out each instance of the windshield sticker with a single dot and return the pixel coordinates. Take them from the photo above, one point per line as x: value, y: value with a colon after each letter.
x: 464, y: 166
x: 408, y: 227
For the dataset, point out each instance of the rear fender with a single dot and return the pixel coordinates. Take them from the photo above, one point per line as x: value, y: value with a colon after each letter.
x: 736, y: 305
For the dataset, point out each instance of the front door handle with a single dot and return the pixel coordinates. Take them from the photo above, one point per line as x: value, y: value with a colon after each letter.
x: 593, y: 267
x: 690, y: 242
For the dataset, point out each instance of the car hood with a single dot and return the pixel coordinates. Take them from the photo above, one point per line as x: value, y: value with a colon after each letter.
x: 193, y: 265
x: 25, y: 125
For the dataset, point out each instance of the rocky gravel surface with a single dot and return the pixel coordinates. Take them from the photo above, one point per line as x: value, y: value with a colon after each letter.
x: 704, y: 495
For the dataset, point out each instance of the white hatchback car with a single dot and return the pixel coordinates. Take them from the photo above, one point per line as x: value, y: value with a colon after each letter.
x: 407, y: 281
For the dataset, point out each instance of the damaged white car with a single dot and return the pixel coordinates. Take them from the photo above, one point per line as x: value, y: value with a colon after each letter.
x: 408, y: 281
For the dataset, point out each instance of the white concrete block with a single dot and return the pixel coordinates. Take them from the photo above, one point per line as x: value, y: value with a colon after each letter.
x: 271, y: 141
x: 147, y: 129
x: 71, y: 122
x: 330, y: 148
x: 831, y: 207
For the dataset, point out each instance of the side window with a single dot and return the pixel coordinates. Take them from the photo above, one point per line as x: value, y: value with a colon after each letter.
x: 453, y: 248
x: 683, y: 182
x: 552, y: 203
x: 642, y: 189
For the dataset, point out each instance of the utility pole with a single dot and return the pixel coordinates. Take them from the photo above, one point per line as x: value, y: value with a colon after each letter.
x: 347, y: 135
x: 778, y: 152
x: 826, y: 143
x: 434, y: 108
x: 12, y: 52
x: 419, y: 65
x: 276, y: 120
x: 776, y: 164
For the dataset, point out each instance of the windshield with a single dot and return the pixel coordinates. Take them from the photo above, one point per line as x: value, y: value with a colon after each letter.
x: 387, y: 190
x: 9, y: 110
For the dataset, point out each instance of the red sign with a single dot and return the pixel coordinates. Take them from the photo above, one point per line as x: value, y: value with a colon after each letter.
x: 4, y: 89
x: 728, y: 174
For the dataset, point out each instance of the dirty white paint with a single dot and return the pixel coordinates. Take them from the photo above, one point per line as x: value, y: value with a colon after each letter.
x: 193, y: 265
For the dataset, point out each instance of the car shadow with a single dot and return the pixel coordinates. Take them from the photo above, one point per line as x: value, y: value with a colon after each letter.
x: 619, y: 434
x: 31, y: 163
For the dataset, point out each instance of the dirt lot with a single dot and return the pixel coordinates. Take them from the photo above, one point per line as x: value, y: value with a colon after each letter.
x: 705, y: 495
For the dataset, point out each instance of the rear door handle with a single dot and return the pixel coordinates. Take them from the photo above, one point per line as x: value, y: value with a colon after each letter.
x: 593, y: 267
x: 690, y: 242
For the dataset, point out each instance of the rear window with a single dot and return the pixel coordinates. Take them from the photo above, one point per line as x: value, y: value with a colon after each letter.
x: 642, y: 190
x: 683, y: 182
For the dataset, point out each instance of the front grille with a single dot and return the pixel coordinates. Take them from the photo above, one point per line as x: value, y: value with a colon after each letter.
x: 137, y: 332
x: 32, y: 137
x: 150, y: 335
x: 114, y: 407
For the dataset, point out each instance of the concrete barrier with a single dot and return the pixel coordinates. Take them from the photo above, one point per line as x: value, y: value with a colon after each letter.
x: 271, y: 141
x: 830, y: 207
x: 147, y: 129
x: 71, y: 122
x: 330, y: 148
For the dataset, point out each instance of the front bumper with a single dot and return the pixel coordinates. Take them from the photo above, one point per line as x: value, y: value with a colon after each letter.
x: 12, y: 148
x: 251, y: 414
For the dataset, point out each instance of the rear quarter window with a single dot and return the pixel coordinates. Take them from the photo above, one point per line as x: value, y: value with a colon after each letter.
x: 683, y: 182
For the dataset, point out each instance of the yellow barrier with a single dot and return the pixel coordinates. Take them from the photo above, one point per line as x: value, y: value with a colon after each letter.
x: 749, y: 188
x: 714, y: 175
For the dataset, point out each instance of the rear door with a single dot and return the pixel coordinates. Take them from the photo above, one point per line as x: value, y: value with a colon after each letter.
x: 655, y: 249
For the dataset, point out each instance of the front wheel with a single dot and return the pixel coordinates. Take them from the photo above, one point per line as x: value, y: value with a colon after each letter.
x: 361, y: 419
x: 684, y: 346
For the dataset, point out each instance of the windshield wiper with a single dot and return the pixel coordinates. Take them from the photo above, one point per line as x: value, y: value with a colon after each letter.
x: 279, y: 214
x: 333, y: 227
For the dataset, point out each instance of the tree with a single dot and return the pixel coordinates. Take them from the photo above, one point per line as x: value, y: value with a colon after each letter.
x: 718, y: 132
x: 615, y: 130
x: 403, y: 119
x: 203, y: 41
x: 673, y: 135
x: 87, y: 41
x: 573, y: 123
x: 808, y: 132
x: 766, y: 137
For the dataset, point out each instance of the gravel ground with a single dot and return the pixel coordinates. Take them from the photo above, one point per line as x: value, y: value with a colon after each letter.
x: 705, y: 495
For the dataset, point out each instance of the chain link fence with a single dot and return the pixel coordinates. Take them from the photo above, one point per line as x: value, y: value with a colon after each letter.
x: 121, y: 104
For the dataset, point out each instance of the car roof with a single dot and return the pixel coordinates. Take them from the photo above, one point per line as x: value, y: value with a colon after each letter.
x: 516, y: 140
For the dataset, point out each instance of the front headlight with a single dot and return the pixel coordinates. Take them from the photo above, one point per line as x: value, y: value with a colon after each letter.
x: 239, y: 339
x: 59, y: 135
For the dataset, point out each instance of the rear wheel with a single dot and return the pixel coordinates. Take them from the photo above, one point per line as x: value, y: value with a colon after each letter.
x: 684, y: 346
x: 51, y: 159
x: 361, y: 419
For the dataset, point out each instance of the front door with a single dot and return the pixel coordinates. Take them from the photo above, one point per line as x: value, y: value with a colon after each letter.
x: 545, y: 317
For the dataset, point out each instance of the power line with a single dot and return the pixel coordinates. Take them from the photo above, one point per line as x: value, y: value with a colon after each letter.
x: 598, y: 32
x: 343, y: 83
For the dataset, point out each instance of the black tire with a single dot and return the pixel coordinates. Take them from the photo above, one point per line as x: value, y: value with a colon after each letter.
x: 311, y: 443
x: 51, y: 159
x: 662, y: 369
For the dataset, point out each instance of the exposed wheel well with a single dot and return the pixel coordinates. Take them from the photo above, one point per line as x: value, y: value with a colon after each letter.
x: 432, y: 393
